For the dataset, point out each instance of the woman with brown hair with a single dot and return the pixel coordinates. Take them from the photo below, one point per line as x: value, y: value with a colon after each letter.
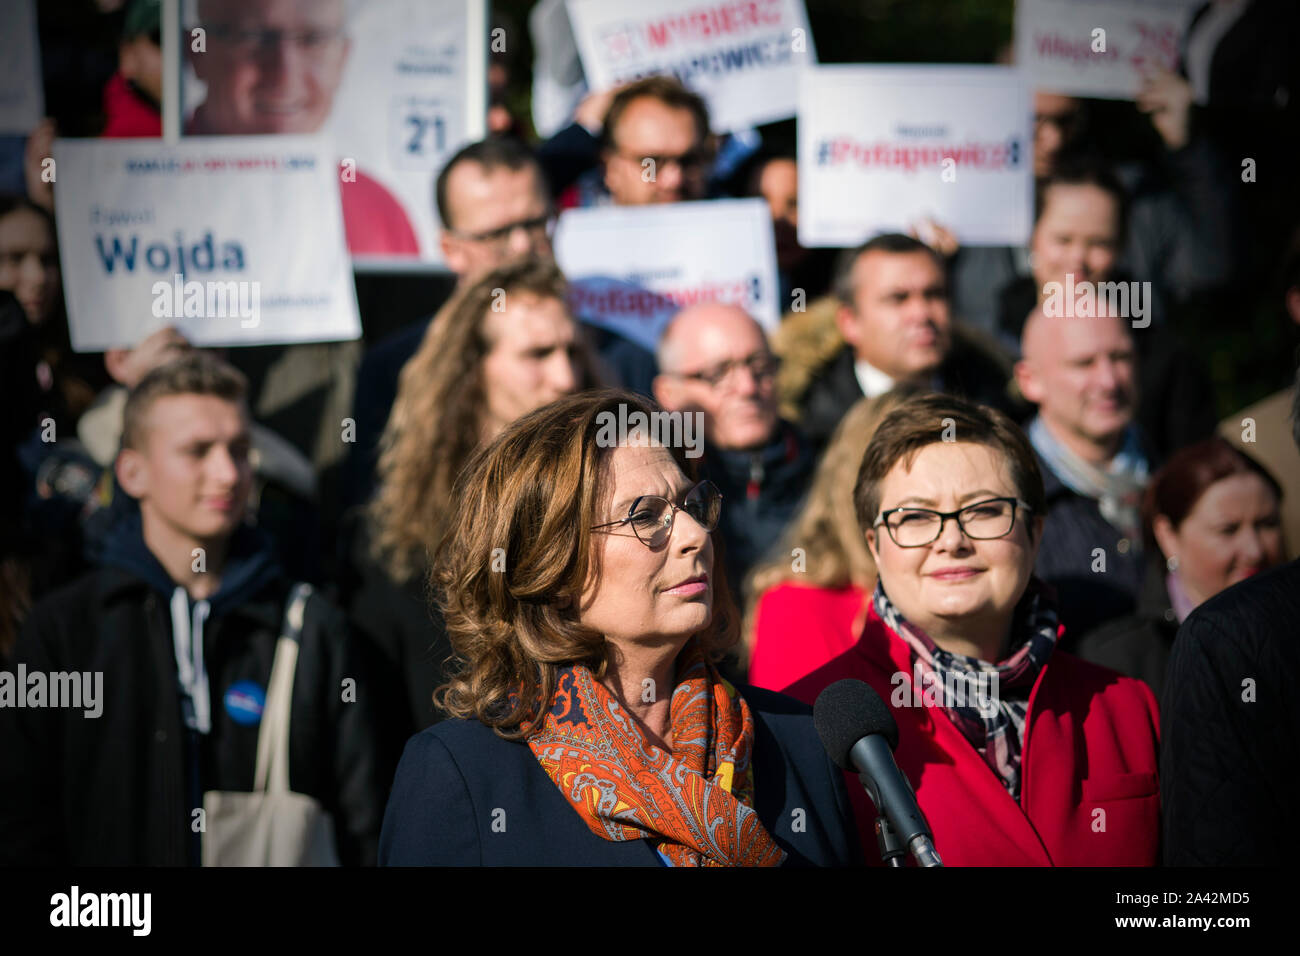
x: 501, y: 347
x: 1017, y: 750
x: 578, y: 584
x: 809, y: 601
x: 1214, y: 514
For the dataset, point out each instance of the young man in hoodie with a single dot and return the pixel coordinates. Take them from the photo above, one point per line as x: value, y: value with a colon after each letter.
x: 173, y: 637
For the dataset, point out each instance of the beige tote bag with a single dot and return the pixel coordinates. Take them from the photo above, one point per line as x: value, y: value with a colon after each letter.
x: 271, y: 826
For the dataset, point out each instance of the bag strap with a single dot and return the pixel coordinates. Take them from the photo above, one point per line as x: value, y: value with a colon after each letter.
x: 272, y: 773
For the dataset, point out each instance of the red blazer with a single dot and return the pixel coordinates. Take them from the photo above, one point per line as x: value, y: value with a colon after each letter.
x: 798, y: 628
x: 1088, y: 785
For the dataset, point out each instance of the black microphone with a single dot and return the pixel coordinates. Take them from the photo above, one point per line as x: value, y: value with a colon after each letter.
x: 860, y: 734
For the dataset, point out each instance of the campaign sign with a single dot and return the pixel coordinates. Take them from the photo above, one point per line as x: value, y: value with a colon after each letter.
x: 632, y: 267
x: 742, y: 56
x: 397, y: 86
x: 22, y: 98
x: 233, y: 240
x: 1097, y: 48
x: 883, y: 147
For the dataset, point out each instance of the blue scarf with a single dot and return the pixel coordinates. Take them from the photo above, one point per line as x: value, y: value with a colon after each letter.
x: 1117, y: 490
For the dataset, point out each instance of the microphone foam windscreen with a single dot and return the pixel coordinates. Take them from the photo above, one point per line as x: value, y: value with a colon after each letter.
x: 847, y: 711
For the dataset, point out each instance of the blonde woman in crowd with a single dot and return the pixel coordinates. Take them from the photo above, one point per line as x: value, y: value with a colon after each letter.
x: 807, y: 603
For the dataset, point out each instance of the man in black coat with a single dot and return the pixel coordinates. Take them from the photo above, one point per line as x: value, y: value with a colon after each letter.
x: 169, y: 645
x: 894, y: 317
x: 1230, y: 723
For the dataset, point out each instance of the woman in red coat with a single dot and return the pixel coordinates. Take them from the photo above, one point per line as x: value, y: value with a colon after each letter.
x: 1020, y: 754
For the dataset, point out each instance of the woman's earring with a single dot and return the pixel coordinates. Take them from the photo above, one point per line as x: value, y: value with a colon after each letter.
x: 1172, y: 563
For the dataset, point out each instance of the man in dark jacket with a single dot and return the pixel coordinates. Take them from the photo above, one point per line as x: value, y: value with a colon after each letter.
x: 172, y: 640
x: 714, y: 359
x: 1230, y: 723
x: 894, y: 315
x: 1082, y: 374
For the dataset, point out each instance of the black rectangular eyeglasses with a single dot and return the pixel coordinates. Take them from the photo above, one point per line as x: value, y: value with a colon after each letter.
x: 981, y: 521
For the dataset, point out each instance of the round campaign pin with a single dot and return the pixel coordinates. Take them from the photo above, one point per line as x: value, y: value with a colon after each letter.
x: 245, y: 701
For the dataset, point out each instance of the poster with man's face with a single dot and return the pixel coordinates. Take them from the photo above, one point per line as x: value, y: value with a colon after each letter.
x: 396, y: 86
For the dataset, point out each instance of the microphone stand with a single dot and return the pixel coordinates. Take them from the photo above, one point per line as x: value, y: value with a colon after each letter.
x: 892, y: 851
x: 891, y: 847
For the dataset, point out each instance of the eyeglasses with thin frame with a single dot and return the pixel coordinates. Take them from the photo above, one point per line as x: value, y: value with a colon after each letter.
x: 536, y: 228
x: 762, y: 365
x: 689, y: 161
x: 651, y: 516
x: 980, y: 521
x: 247, y: 42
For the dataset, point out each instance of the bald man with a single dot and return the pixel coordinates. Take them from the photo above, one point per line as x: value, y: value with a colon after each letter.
x: 714, y: 359
x: 1082, y: 375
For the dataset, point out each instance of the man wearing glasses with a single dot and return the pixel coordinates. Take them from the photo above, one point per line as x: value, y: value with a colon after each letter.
x: 274, y: 66
x: 714, y: 359
x: 654, y: 147
x: 494, y: 204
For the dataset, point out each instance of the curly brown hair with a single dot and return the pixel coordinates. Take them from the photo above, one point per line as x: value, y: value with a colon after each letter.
x: 437, y: 418
x: 511, y: 570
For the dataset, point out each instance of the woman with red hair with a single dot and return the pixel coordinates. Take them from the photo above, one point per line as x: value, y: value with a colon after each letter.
x: 1215, y: 515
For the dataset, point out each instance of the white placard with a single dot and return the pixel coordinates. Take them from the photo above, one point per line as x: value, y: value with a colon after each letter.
x: 1097, y: 48
x: 402, y: 88
x: 22, y: 97
x: 742, y: 56
x: 883, y: 147
x: 252, y: 224
x: 632, y: 267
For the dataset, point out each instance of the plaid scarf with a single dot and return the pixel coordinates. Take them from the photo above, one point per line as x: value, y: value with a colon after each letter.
x: 696, y: 801
x: 992, y: 718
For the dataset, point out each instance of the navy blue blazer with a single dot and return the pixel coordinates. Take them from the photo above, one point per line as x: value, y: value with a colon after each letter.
x: 465, y: 797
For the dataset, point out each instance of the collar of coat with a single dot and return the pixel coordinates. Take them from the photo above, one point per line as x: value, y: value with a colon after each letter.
x: 263, y: 608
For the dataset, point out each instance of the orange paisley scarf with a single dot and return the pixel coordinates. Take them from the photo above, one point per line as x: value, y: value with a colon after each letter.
x: 697, y: 801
